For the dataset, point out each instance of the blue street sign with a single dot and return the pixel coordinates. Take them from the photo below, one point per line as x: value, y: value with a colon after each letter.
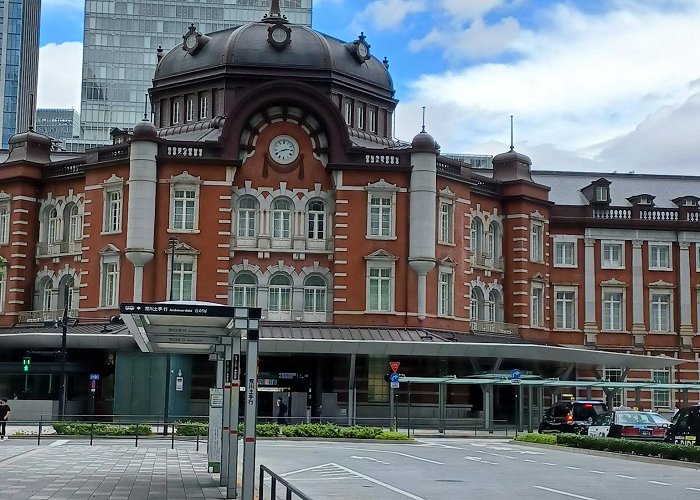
x: 94, y: 376
x: 515, y: 374
x: 394, y: 377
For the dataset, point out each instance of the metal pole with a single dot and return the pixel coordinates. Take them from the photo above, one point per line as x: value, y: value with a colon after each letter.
x: 173, y: 241
x: 234, y: 403
x: 250, y: 415
x: 408, y: 413
x: 64, y: 337
x: 166, y: 412
x: 392, y: 409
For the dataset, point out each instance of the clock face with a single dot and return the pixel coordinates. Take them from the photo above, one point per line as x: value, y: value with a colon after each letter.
x: 279, y: 35
x: 362, y: 50
x: 284, y: 149
x: 191, y: 41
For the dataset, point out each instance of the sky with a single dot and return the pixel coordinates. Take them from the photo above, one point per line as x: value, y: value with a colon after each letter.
x: 594, y: 85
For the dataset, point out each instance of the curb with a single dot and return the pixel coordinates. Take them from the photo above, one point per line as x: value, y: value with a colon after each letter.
x: 612, y: 454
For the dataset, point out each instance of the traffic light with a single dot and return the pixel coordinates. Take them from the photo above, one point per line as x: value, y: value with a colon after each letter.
x: 26, y: 364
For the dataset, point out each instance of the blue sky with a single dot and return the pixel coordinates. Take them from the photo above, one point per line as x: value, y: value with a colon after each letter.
x: 605, y: 85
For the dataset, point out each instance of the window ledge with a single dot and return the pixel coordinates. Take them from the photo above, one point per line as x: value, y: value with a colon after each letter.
x: 102, y: 233
x: 568, y: 266
x: 662, y: 333
x: 626, y: 332
x: 371, y: 237
x: 566, y: 330
x: 667, y: 269
x: 447, y: 243
x: 182, y: 231
x: 392, y: 312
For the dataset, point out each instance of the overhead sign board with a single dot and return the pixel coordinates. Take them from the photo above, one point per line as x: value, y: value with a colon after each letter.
x: 394, y: 365
x: 184, y: 309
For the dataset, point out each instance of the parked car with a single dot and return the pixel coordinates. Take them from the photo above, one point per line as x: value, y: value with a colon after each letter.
x: 571, y: 416
x: 685, y: 427
x: 630, y: 424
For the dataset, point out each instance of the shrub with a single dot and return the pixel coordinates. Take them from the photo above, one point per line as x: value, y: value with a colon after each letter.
x: 359, y: 432
x: 191, y: 428
x: 643, y: 448
x: 392, y: 435
x: 312, y: 430
x: 537, y: 438
x: 85, y: 429
x: 261, y: 430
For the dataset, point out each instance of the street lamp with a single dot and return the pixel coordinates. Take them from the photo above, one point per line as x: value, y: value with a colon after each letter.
x: 64, y: 335
x: 172, y: 241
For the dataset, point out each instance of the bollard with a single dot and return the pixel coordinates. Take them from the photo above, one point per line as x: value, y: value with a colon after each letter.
x: 197, y: 449
x: 137, y: 435
x: 38, y: 439
x: 172, y: 439
x: 92, y: 427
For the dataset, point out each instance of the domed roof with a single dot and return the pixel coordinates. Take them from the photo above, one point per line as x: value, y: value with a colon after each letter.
x: 248, y: 45
x: 424, y: 143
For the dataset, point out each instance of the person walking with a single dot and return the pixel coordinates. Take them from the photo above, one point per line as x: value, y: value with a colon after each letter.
x: 4, y: 416
x: 281, y: 412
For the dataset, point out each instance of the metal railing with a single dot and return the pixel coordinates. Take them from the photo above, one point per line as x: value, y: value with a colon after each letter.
x: 59, y: 248
x: 499, y: 327
x: 292, y: 491
x: 40, y: 315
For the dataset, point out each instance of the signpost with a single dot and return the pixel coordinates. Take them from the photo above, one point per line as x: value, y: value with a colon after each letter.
x: 394, y: 384
x: 516, y: 380
x: 515, y: 377
x: 216, y: 405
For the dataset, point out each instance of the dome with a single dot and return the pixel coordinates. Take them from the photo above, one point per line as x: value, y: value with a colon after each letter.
x: 511, y: 156
x: 248, y: 46
x: 145, y: 131
x: 424, y: 143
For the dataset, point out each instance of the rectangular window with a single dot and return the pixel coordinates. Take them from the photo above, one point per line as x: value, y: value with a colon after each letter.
x: 184, y: 209
x: 537, y: 305
x: 203, y: 107
x: 601, y: 193
x: 615, y: 375
x: 110, y: 284
x: 660, y: 312
x: 380, y: 289
x: 659, y: 256
x: 183, y: 279
x: 189, y: 110
x: 75, y: 230
x: 565, y: 254
x: 565, y: 309
x: 445, y: 226
x: 176, y: 113
x: 314, y: 299
x: 113, y: 222
x: 377, y: 388
x: 245, y: 295
x: 4, y: 223
x: 537, y: 241
x: 661, y: 398
x: 372, y: 117
x: 612, y: 255
x: 612, y: 311
x: 445, y: 301
x: 280, y: 299
x: 360, y: 118
x: 347, y: 113
x: 281, y: 224
x: 380, y: 215
x: 316, y: 229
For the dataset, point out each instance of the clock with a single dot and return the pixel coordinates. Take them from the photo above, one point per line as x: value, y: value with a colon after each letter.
x: 279, y: 35
x: 362, y: 50
x: 359, y: 49
x: 193, y: 40
x: 284, y: 149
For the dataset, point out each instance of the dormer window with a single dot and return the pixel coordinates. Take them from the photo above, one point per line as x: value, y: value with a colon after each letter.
x: 686, y: 201
x: 689, y: 202
x: 601, y: 193
x: 347, y: 112
x: 646, y: 200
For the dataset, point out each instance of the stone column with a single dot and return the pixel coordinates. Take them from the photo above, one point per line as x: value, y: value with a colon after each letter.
x: 684, y: 271
x: 638, y: 327
x: 590, y: 327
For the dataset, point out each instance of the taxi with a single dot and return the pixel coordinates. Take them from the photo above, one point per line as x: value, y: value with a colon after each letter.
x: 630, y: 424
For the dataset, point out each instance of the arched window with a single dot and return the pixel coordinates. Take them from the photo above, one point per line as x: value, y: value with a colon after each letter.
x: 477, y: 304
x: 493, y: 242
x: 69, y: 282
x: 247, y: 217
x: 314, y: 297
x: 495, y: 307
x: 75, y: 225
x: 477, y: 236
x: 53, y: 235
x: 282, y: 219
x: 316, y: 217
x: 245, y: 291
x: 279, y: 300
x: 46, y: 295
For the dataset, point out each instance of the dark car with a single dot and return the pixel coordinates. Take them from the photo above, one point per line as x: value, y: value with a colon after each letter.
x: 629, y: 424
x: 685, y: 427
x: 571, y: 416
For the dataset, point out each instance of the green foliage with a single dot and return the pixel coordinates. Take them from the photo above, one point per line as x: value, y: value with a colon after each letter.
x: 360, y: 432
x: 391, y: 435
x: 537, y: 438
x: 312, y: 430
x: 85, y: 429
x: 190, y: 428
x: 643, y: 448
x: 261, y: 430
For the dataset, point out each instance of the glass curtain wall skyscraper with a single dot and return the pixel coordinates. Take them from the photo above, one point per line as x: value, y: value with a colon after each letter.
x: 19, y: 64
x: 119, y: 52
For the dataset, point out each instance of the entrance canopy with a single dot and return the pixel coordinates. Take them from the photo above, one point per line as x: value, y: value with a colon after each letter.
x: 190, y: 327
x: 538, y: 382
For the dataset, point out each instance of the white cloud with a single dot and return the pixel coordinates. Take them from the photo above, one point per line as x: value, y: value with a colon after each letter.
x: 60, y: 70
x: 473, y: 9
x: 578, y: 81
x: 388, y: 14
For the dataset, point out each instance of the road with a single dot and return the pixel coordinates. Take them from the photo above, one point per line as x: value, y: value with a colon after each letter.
x: 469, y: 469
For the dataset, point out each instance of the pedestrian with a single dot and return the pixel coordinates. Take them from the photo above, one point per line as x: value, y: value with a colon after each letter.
x: 281, y: 412
x: 4, y: 416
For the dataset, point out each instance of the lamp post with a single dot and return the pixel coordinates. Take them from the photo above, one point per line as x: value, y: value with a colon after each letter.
x: 64, y: 335
x: 172, y: 241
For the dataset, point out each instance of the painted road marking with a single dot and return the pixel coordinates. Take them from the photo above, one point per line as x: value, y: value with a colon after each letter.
x: 596, y: 472
x: 547, y: 463
x: 625, y: 477
x: 565, y: 493
x: 528, y: 460
x: 693, y: 489
x: 660, y: 483
x: 480, y: 460
x: 356, y: 474
x: 370, y: 459
x: 572, y: 468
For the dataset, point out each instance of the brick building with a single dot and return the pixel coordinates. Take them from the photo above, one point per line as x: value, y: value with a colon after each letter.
x: 269, y: 176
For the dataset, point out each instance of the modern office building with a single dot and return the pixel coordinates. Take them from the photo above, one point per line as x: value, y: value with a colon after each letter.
x: 269, y: 177
x: 120, y: 51
x: 19, y: 62
x: 59, y: 124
